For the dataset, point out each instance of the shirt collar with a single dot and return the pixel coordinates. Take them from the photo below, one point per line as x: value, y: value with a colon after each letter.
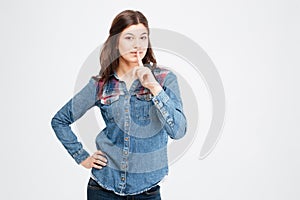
x: 115, y: 75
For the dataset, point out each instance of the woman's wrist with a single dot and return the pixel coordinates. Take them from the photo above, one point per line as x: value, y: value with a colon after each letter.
x: 155, y: 89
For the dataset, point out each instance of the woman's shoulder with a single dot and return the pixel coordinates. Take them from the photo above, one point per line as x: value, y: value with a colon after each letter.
x: 161, y: 72
x: 97, y: 79
x: 98, y: 82
x: 158, y: 69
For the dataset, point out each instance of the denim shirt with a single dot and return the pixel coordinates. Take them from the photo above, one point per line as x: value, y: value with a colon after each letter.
x: 135, y: 138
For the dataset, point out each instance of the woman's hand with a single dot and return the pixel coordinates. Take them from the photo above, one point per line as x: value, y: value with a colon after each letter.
x: 146, y: 78
x: 97, y: 160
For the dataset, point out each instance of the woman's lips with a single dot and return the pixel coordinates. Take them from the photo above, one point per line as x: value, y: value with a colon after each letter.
x: 134, y: 53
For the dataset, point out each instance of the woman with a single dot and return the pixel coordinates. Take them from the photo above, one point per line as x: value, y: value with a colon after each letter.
x: 141, y: 106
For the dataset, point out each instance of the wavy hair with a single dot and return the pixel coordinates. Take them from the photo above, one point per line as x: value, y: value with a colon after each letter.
x: 109, y: 56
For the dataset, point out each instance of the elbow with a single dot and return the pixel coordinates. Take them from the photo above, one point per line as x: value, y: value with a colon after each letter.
x: 179, y: 134
x: 61, y: 119
x: 54, y: 122
x: 55, y: 126
x: 57, y: 121
x: 179, y: 126
x: 179, y: 131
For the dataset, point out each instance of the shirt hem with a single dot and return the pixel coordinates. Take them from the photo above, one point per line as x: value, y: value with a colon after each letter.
x: 122, y: 194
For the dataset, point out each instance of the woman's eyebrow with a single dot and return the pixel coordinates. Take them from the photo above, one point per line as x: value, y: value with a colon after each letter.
x: 133, y: 34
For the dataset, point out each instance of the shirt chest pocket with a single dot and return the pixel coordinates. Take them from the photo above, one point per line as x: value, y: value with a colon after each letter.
x: 110, y: 105
x: 141, y: 107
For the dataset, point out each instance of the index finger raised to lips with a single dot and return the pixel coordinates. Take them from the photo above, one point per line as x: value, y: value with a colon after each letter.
x: 139, y: 59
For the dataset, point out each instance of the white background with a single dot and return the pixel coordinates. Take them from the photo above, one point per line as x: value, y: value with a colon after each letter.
x: 254, y: 45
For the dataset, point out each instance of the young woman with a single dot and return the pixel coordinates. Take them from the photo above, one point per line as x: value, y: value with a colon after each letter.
x: 141, y: 106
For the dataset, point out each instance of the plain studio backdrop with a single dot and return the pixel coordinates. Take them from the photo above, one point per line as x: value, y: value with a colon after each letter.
x: 254, y: 46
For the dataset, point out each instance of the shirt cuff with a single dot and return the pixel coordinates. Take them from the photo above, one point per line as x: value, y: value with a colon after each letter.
x: 160, y: 99
x: 80, y: 156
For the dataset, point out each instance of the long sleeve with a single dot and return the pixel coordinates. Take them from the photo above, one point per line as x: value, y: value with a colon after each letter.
x: 169, y: 105
x: 69, y: 113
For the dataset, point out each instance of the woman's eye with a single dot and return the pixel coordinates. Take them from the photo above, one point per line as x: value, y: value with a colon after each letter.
x: 129, y: 38
x: 144, y: 37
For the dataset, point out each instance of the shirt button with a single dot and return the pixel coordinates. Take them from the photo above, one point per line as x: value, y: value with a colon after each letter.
x: 123, y: 178
x: 126, y: 109
x: 126, y: 139
x: 123, y: 166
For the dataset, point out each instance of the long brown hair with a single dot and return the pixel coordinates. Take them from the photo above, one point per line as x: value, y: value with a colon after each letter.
x: 109, y: 56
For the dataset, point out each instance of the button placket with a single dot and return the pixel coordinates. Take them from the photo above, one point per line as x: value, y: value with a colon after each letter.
x: 125, y: 151
x: 124, y: 162
x: 123, y: 177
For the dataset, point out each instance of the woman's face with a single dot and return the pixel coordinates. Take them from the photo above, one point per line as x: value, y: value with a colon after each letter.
x: 133, y: 40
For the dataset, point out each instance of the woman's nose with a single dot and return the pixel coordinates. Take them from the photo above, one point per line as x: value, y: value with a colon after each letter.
x: 136, y: 43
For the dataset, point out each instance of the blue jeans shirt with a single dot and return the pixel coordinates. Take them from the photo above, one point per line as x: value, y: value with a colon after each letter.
x: 135, y: 138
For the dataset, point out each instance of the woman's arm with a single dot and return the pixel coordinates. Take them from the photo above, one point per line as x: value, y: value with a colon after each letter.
x: 169, y: 105
x: 69, y: 113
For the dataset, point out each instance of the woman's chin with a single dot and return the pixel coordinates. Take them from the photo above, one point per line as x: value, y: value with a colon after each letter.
x: 132, y: 60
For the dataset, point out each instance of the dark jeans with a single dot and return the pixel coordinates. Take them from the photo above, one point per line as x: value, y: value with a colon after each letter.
x: 96, y: 192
